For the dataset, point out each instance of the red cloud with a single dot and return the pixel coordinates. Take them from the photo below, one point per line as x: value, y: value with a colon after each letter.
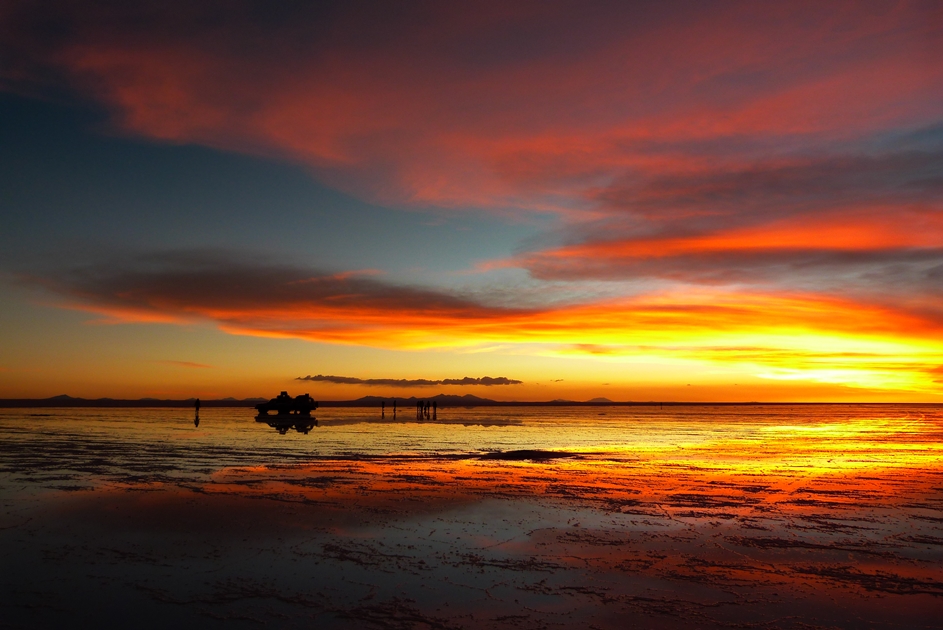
x: 803, y: 247
x: 531, y: 106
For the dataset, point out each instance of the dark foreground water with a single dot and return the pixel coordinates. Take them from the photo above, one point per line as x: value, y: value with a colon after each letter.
x: 745, y: 517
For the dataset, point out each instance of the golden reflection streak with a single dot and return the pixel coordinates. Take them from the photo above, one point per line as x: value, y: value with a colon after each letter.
x: 771, y: 460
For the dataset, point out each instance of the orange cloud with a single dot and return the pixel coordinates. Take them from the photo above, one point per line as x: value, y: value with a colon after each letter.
x: 873, y: 231
x: 784, y: 336
x: 185, y: 364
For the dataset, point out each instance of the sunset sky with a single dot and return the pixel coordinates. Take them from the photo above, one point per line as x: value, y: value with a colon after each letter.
x: 633, y: 200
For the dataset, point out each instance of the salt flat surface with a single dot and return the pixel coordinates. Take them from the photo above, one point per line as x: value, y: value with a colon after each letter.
x: 773, y: 516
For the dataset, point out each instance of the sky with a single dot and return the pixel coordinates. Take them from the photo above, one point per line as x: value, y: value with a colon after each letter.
x: 731, y: 201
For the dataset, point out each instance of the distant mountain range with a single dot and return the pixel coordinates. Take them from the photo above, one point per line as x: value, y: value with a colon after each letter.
x: 441, y: 400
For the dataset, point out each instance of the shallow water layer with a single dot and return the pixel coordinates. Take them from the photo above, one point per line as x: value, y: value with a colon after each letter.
x: 761, y: 516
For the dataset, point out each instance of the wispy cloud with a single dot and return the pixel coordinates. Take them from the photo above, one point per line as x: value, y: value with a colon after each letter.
x: 185, y: 364
x: 267, y: 299
x: 414, y: 382
x: 539, y: 105
x: 841, y: 222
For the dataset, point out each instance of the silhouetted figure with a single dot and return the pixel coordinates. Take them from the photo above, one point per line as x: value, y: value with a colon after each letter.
x: 383, y: 409
x: 196, y: 415
x: 435, y: 409
x: 418, y: 409
x: 394, y: 410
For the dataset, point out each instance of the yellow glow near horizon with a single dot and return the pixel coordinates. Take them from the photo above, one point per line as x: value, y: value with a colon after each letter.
x: 789, y: 338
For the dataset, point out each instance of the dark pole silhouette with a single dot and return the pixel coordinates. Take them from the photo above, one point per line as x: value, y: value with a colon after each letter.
x: 394, y: 409
x: 383, y: 409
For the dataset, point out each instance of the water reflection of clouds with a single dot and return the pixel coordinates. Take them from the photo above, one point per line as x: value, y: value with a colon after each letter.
x: 462, y: 421
x: 711, y: 520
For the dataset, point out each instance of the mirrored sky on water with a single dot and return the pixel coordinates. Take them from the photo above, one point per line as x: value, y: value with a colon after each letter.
x: 786, y: 516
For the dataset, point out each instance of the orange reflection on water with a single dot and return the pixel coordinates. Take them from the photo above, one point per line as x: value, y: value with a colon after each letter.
x: 771, y: 476
x: 711, y: 517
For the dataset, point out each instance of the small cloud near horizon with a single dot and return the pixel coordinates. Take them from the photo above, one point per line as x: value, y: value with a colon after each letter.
x: 415, y: 382
x: 186, y: 364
